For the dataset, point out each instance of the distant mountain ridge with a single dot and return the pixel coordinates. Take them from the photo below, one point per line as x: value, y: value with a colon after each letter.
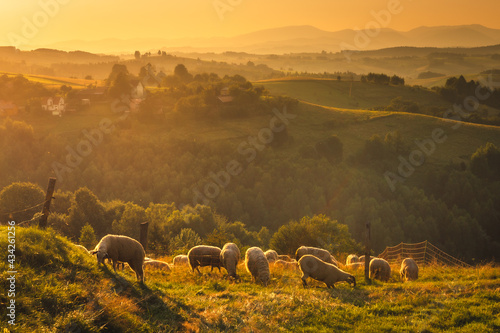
x: 295, y: 39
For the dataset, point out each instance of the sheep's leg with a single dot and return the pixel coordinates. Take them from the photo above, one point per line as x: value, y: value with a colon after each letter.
x: 114, y: 265
x: 197, y: 270
x: 304, y: 283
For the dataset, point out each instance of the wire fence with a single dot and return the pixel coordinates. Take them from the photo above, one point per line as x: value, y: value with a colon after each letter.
x: 423, y: 253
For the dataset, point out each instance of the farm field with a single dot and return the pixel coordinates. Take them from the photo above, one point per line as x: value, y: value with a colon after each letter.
x: 57, y: 82
x: 347, y: 94
x: 59, y: 288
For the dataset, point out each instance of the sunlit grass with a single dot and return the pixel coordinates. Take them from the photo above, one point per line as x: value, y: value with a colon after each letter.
x: 60, y: 288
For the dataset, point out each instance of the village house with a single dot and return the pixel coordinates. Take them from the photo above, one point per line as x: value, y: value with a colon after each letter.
x: 225, y: 96
x: 55, y: 105
x: 7, y: 109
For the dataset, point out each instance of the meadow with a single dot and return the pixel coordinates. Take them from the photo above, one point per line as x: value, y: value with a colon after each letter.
x: 59, y: 288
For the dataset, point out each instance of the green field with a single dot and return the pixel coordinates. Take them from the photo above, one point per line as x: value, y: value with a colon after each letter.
x: 56, y: 82
x: 61, y: 289
x: 350, y: 95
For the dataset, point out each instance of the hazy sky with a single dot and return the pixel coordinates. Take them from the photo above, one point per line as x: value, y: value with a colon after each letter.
x: 60, y: 20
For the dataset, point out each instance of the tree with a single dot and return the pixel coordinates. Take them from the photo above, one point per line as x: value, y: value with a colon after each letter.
x: 185, y: 240
x: 115, y: 71
x: 485, y: 162
x: 182, y: 73
x: 331, y: 148
x: 20, y: 201
x: 86, y: 208
x: 137, y: 55
x: 129, y: 222
x: 87, y: 237
x: 318, y: 231
x: 121, y: 86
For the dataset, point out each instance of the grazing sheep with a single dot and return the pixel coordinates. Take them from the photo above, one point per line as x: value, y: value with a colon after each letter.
x: 317, y: 269
x: 286, y: 264
x: 352, y: 258
x: 257, y: 265
x: 409, y: 270
x: 271, y: 255
x: 355, y: 265
x: 156, y: 264
x: 181, y: 259
x: 121, y: 249
x: 362, y: 258
x: 380, y: 269
x: 317, y: 252
x: 285, y: 257
x: 229, y: 256
x: 204, y: 255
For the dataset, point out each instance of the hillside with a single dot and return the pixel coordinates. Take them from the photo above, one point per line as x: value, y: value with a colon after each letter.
x: 61, y: 289
x: 349, y: 94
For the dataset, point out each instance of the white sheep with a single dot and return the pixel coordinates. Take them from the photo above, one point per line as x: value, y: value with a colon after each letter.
x: 362, y: 258
x: 352, y: 258
x: 181, y: 259
x: 257, y: 265
x: 409, y: 270
x: 271, y: 255
x: 380, y: 269
x: 286, y: 264
x: 230, y: 256
x: 285, y: 257
x: 157, y: 264
x: 319, y: 270
x: 317, y: 252
x: 204, y: 255
x: 355, y: 265
x: 121, y: 249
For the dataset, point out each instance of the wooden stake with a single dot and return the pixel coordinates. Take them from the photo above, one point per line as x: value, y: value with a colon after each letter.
x: 46, y: 205
x: 367, y: 252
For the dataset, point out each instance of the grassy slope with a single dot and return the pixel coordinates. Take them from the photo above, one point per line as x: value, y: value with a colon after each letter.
x: 61, y: 289
x: 336, y: 93
x: 56, y: 82
x: 312, y: 124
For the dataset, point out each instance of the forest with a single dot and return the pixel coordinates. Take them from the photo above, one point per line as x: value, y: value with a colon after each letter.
x: 196, y: 175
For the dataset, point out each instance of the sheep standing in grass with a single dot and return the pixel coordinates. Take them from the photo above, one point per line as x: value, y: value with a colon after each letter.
x: 181, y: 259
x: 352, y: 258
x: 317, y: 252
x: 230, y: 256
x: 157, y: 264
x: 204, y: 255
x: 317, y: 269
x: 286, y: 264
x: 362, y: 258
x: 285, y: 257
x: 355, y: 265
x: 257, y: 265
x: 271, y: 255
x: 121, y: 249
x: 380, y: 269
x: 409, y: 270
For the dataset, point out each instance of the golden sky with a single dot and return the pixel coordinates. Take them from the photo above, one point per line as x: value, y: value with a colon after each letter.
x: 61, y: 20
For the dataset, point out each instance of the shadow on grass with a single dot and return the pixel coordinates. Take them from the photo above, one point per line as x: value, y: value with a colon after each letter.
x: 164, y: 316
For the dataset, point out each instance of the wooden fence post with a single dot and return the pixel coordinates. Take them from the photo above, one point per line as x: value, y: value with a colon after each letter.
x: 143, y: 238
x: 46, y: 206
x: 367, y: 252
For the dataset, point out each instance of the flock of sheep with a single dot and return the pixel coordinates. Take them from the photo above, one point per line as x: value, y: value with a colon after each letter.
x: 315, y: 263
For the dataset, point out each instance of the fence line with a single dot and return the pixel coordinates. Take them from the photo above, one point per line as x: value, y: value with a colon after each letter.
x: 423, y: 253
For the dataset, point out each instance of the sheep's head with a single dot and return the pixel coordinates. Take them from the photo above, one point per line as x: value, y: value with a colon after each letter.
x: 352, y: 280
x: 101, y: 255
